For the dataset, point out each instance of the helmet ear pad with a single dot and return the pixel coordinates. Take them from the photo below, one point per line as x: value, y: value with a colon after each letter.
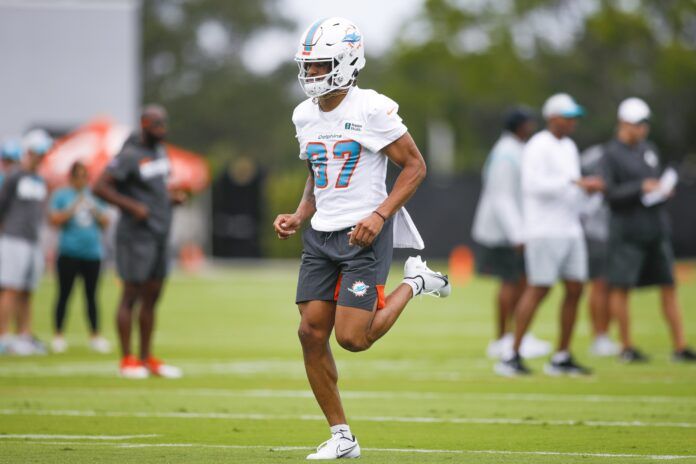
x: 343, y: 65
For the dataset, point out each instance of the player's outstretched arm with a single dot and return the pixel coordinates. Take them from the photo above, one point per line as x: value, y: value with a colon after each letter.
x: 405, y: 154
x: 286, y: 225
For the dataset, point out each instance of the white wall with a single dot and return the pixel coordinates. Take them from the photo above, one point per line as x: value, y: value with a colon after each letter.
x: 64, y: 61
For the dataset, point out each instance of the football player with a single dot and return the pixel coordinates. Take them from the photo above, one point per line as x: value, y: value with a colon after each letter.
x: 347, y: 135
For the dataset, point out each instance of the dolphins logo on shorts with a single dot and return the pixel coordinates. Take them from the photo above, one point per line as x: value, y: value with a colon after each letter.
x: 358, y: 288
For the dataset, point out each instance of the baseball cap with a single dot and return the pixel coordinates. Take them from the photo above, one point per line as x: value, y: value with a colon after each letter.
x: 37, y: 141
x: 11, y: 150
x: 633, y: 111
x: 562, y: 104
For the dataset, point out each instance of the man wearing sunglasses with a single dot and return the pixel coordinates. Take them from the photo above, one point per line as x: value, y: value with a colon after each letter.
x: 136, y: 182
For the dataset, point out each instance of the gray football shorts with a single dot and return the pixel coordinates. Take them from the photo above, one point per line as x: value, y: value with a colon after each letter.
x: 21, y: 263
x: 141, y: 257
x: 551, y: 259
x: 333, y: 270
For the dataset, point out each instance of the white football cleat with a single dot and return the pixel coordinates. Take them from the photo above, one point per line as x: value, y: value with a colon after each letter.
x: 604, y: 346
x: 425, y: 281
x: 497, y: 349
x: 59, y: 345
x: 100, y: 344
x: 533, y: 347
x: 339, y: 446
x: 132, y: 368
x: 158, y: 368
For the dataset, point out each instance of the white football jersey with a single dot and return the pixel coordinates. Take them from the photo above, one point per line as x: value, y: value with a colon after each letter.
x: 343, y: 147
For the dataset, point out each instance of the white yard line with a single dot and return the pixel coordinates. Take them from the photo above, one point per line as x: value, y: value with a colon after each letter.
x: 450, y: 371
x: 34, y: 436
x: 314, y: 417
x: 384, y: 395
x: 372, y: 450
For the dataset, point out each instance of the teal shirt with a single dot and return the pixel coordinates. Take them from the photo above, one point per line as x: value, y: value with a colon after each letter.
x: 80, y: 236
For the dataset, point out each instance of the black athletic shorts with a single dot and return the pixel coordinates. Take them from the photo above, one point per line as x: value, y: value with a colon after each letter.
x: 503, y: 262
x: 637, y: 264
x: 333, y: 270
x: 142, y: 256
x: 597, y: 255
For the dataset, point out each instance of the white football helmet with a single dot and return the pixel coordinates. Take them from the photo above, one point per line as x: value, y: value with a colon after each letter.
x: 336, y: 41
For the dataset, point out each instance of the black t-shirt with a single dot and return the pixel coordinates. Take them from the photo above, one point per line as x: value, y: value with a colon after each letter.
x: 626, y: 167
x: 22, y: 204
x: 141, y: 172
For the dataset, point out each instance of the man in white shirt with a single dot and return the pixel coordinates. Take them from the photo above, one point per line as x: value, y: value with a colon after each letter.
x: 347, y: 135
x: 497, y: 230
x: 553, y: 197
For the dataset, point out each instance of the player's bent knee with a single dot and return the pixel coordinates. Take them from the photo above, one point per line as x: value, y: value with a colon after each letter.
x: 310, y: 336
x: 353, y: 343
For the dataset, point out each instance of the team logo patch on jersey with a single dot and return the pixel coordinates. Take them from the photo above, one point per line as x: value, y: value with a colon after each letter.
x: 353, y: 126
x: 651, y: 159
x: 359, y: 288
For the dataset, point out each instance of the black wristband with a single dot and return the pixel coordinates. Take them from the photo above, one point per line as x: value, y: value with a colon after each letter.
x: 380, y: 215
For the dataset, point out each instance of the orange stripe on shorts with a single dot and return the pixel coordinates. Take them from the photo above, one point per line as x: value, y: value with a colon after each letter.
x: 381, y: 301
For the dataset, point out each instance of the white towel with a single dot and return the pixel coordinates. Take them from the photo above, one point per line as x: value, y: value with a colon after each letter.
x: 405, y: 232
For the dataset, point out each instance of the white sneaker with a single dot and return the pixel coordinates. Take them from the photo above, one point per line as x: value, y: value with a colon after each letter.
x: 339, y: 446
x: 604, y: 346
x: 27, y: 345
x: 425, y: 281
x: 100, y: 344
x: 6, y: 344
x: 497, y: 349
x: 533, y: 347
x: 59, y: 345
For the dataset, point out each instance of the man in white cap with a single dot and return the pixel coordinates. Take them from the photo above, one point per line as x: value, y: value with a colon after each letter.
x: 553, y: 193
x: 22, y: 203
x: 640, y: 251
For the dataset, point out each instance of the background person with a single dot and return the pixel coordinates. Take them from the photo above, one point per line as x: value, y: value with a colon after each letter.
x: 22, y: 204
x: 81, y: 219
x: 640, y: 250
x: 497, y: 231
x: 10, y: 156
x: 595, y: 224
x: 136, y: 182
x: 553, y: 195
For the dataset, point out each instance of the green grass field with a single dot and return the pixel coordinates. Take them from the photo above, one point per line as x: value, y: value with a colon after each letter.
x: 424, y: 393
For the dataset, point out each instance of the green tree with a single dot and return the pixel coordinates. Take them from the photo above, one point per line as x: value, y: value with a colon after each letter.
x: 192, y: 64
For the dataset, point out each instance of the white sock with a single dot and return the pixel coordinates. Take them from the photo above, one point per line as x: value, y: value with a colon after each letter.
x: 343, y: 428
x: 560, y: 356
x: 413, y: 283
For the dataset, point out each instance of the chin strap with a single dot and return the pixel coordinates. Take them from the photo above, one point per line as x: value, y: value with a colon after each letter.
x: 333, y: 93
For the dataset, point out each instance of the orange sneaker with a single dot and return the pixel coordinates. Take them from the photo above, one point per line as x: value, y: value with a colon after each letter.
x: 132, y: 368
x: 159, y: 368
